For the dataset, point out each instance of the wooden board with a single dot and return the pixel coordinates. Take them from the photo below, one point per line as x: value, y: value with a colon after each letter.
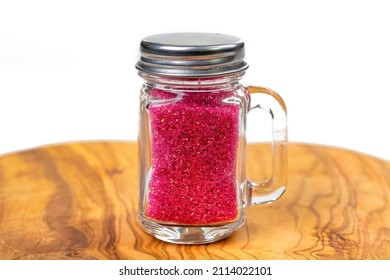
x: 79, y: 201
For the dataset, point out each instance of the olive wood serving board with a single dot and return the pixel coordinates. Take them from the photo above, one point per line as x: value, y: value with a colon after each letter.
x: 79, y: 201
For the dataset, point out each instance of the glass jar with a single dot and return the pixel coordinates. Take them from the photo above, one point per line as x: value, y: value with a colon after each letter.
x: 193, y: 109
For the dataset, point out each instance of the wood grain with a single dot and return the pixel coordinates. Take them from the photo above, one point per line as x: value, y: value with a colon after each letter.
x: 79, y: 201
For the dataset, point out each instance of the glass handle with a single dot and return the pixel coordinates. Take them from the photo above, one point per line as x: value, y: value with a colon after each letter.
x: 274, y: 187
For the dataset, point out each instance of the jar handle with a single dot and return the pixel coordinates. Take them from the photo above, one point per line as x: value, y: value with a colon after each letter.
x: 274, y: 187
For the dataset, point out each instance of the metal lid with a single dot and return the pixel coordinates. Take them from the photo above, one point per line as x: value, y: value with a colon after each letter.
x: 192, y: 54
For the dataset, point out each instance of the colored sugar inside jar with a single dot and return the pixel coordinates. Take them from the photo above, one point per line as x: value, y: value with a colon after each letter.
x: 192, y: 184
x: 194, y: 143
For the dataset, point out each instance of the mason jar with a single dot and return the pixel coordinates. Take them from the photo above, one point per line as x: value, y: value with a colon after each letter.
x: 192, y: 124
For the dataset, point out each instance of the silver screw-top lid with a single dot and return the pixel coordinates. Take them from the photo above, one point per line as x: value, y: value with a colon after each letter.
x: 192, y: 54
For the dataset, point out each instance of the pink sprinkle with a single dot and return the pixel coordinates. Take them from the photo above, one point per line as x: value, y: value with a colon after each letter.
x: 194, y: 155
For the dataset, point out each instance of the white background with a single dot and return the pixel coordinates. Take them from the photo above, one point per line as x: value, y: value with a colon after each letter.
x: 280, y: 269
x: 67, y: 67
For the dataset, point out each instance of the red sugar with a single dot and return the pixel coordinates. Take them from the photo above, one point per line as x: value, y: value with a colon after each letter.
x: 194, y: 156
